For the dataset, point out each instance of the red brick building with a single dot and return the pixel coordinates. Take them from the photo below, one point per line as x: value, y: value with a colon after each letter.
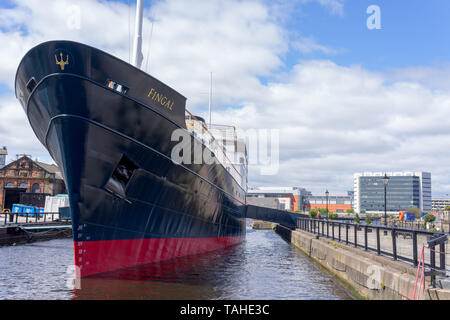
x: 27, y: 176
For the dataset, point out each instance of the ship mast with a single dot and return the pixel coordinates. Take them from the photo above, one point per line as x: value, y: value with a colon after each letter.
x: 210, y: 101
x: 137, y: 47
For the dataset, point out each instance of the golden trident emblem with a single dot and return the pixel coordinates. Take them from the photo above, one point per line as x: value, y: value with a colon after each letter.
x: 61, y: 62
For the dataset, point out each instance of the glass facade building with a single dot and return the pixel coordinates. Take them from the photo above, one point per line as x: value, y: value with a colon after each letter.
x: 404, y: 190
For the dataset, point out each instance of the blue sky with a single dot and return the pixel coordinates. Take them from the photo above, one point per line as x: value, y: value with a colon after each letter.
x: 413, y: 33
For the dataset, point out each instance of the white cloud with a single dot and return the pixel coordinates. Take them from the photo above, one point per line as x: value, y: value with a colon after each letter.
x: 334, y: 6
x: 336, y: 120
x: 307, y: 45
x: 333, y: 120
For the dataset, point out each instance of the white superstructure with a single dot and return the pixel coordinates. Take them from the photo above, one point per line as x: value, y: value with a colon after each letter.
x: 229, y: 150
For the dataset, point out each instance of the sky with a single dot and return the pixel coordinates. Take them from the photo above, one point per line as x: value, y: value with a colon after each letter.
x: 343, y: 97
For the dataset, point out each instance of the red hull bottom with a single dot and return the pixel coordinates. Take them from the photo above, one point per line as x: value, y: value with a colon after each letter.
x: 93, y: 257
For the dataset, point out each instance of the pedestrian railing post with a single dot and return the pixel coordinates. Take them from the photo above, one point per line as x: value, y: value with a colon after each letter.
x: 346, y: 232
x: 378, y: 241
x: 433, y: 265
x: 332, y: 230
x: 442, y: 256
x: 356, y: 235
x: 26, y: 220
x: 327, y: 228
x: 323, y: 224
x: 365, y: 237
x: 416, y: 262
x: 394, y: 243
x: 339, y: 225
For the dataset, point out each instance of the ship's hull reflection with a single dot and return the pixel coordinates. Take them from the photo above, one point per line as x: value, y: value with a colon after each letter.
x: 197, y: 277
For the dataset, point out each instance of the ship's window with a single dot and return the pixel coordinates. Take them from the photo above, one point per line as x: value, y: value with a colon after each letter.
x: 31, y: 84
x: 121, y: 176
x: 114, y: 85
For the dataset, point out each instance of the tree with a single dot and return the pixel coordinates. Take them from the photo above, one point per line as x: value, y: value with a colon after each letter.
x: 357, y: 219
x: 368, y: 220
x: 332, y: 216
x: 429, y: 218
x: 312, y: 213
x: 350, y: 210
x: 416, y: 212
x: 447, y: 208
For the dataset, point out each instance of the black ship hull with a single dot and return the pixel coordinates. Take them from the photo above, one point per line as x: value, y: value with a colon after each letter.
x: 108, y: 126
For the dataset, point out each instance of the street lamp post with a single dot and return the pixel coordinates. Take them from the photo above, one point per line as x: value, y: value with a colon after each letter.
x: 326, y: 194
x: 385, y: 180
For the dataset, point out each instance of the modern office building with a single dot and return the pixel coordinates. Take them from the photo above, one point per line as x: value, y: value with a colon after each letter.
x: 404, y: 190
x: 290, y: 198
x: 439, y: 204
x: 336, y: 203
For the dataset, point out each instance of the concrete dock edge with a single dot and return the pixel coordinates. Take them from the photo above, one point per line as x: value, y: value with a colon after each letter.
x: 365, y: 274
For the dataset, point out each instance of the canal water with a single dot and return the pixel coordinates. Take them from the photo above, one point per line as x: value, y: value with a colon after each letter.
x: 264, y: 266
